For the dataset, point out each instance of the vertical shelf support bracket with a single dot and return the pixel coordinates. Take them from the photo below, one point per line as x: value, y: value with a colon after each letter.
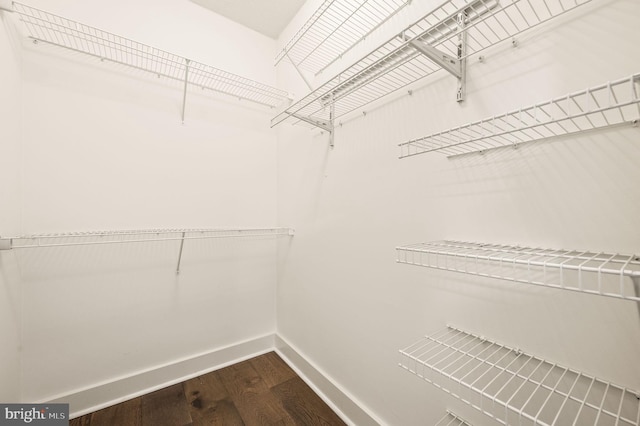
x: 462, y: 57
x: 184, y: 93
x: 456, y: 66
x: 180, y: 253
x: 320, y: 123
x: 332, y: 114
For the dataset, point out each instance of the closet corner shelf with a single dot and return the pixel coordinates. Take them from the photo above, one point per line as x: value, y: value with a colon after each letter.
x: 443, y: 38
x: 604, y: 274
x: 610, y: 104
x: 55, y: 30
x: 452, y: 419
x: 515, y: 388
x: 334, y: 29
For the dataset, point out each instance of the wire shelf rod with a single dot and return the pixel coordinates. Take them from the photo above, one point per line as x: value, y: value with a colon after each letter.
x: 334, y: 29
x: 58, y: 31
x: 611, y: 104
x: 514, y: 387
x: 488, y: 22
x: 605, y: 274
x: 135, y: 236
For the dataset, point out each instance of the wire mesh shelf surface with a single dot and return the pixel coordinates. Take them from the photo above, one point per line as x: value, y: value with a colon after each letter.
x: 605, y: 274
x: 616, y: 102
x: 52, y: 29
x: 516, y: 388
x: 452, y: 419
x: 333, y: 29
x: 135, y: 236
x: 397, y: 63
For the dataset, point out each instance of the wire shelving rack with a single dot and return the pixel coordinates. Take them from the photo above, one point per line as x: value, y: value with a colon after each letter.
x: 55, y: 30
x: 515, y: 388
x: 402, y: 61
x: 610, y: 104
x: 333, y: 29
x: 136, y: 236
x: 604, y: 274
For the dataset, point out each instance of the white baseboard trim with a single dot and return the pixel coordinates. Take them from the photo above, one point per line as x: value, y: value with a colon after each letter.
x: 342, y: 402
x: 88, y: 400
x: 106, y: 394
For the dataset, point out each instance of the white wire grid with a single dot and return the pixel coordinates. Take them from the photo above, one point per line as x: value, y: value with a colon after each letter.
x: 516, y: 388
x: 333, y: 29
x: 52, y: 29
x: 397, y: 63
x: 135, y: 236
x: 613, y: 103
x: 452, y: 419
x: 605, y: 274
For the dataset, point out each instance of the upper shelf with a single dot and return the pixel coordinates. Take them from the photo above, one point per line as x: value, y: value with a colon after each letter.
x: 133, y: 236
x: 612, y: 103
x: 605, y: 274
x: 52, y: 29
x: 405, y: 59
x: 333, y: 29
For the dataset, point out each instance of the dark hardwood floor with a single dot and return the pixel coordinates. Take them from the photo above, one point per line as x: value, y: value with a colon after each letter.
x: 259, y: 391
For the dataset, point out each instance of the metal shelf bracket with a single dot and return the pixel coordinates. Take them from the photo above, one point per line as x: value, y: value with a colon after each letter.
x: 456, y: 66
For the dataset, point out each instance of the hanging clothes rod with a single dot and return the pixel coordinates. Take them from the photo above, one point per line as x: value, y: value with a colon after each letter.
x: 133, y: 236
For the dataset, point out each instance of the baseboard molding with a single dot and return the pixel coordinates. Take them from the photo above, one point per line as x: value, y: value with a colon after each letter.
x: 342, y: 402
x: 103, y: 395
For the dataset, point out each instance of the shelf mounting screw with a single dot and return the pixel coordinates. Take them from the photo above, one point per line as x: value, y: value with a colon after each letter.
x: 514, y: 43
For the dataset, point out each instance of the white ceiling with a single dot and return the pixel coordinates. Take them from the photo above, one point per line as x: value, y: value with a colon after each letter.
x: 268, y: 17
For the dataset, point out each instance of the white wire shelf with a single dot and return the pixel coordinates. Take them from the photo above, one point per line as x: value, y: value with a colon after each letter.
x: 604, y: 274
x: 333, y: 29
x: 55, y: 30
x: 134, y: 236
x: 398, y: 62
x: 516, y: 388
x: 452, y: 419
x: 613, y: 103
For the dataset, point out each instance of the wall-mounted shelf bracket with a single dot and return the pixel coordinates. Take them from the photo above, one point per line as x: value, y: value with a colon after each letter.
x: 318, y: 122
x: 326, y: 125
x: 455, y: 66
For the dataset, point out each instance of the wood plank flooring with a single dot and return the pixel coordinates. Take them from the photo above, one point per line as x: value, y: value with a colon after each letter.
x: 259, y: 391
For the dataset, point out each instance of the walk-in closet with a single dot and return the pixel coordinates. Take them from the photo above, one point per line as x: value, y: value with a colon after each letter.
x: 312, y: 212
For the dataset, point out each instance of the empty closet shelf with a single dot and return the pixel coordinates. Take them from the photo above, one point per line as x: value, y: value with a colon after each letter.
x: 135, y: 236
x: 55, y: 30
x: 419, y: 50
x: 605, y: 274
x: 516, y: 388
x: 333, y: 29
x: 613, y: 103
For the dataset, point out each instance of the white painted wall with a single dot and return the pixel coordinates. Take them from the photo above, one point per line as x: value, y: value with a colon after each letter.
x: 10, y: 138
x: 348, y: 307
x: 104, y: 148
